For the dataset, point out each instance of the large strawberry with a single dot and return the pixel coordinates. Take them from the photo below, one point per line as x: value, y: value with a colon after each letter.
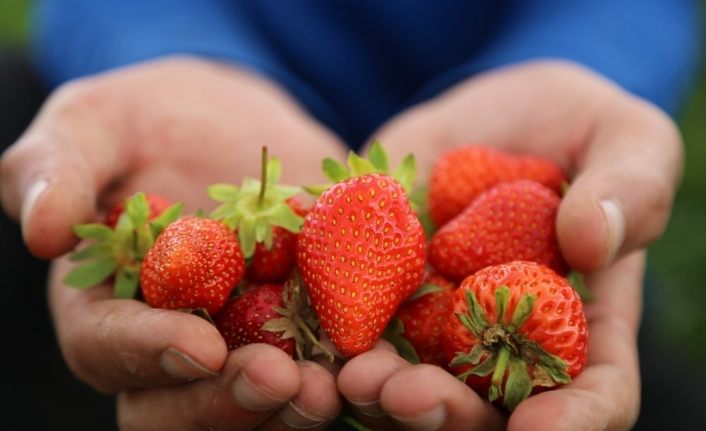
x: 194, y: 263
x: 117, y: 248
x: 516, y: 328
x: 361, y: 252
x: 460, y: 175
x: 510, y: 221
x: 424, y: 315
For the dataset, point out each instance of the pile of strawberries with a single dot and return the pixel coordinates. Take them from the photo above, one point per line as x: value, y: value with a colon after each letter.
x: 481, y: 290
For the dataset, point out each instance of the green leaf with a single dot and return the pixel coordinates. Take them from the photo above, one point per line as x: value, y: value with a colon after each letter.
x: 474, y: 320
x: 168, y: 216
x: 138, y: 209
x: 91, y: 274
x: 317, y: 189
x: 394, y: 334
x: 227, y: 213
x: 334, y: 170
x: 246, y: 235
x: 261, y: 228
x: 274, y: 170
x: 99, y: 249
x: 378, y: 157
x: 425, y: 289
x: 223, y: 192
x: 283, y: 216
x: 472, y: 358
x: 144, y: 240
x: 126, y: 283
x: 359, y: 166
x: 523, y: 310
x: 93, y: 231
x: 518, y: 385
x: 577, y: 281
x: 406, y: 173
x: 502, y: 296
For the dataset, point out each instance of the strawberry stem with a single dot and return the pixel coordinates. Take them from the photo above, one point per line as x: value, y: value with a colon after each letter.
x: 499, y: 373
x: 263, y: 178
x: 314, y: 340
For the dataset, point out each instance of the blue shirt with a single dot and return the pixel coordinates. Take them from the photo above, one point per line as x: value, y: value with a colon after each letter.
x: 354, y: 64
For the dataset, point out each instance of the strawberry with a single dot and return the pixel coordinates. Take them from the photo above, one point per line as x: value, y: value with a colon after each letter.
x: 275, y: 264
x: 510, y: 221
x: 119, y: 246
x: 194, y: 263
x: 423, y: 316
x: 516, y: 328
x: 157, y: 205
x: 458, y: 176
x: 361, y: 252
x: 241, y: 320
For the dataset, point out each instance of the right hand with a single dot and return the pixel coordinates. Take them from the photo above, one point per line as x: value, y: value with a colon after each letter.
x: 170, y: 127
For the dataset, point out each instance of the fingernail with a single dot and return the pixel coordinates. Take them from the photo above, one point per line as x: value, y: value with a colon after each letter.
x: 251, y: 397
x: 30, y: 198
x: 296, y: 418
x: 372, y: 409
x: 616, y: 227
x: 182, y: 367
x: 429, y: 421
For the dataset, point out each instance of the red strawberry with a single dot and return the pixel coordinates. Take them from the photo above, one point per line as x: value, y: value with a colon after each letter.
x: 361, y: 252
x: 194, y: 263
x: 156, y: 203
x: 460, y: 175
x: 516, y: 328
x: 423, y: 318
x: 241, y: 320
x: 511, y: 221
x: 273, y: 265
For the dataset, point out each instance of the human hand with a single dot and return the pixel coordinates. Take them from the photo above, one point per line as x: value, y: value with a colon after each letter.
x: 625, y: 160
x: 386, y: 392
x: 170, y: 127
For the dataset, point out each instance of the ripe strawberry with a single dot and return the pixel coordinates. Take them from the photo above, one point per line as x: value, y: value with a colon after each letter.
x: 194, y: 263
x: 460, y: 175
x: 511, y: 221
x: 157, y: 205
x: 273, y: 265
x: 516, y: 328
x: 361, y: 252
x: 241, y: 320
x: 424, y: 316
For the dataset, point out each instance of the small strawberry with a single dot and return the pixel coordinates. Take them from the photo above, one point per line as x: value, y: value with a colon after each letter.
x: 516, y: 328
x: 279, y: 315
x: 361, y: 251
x: 424, y: 315
x: 460, y: 175
x: 194, y: 263
x: 274, y: 265
x: 119, y: 246
x: 157, y: 205
x: 510, y: 221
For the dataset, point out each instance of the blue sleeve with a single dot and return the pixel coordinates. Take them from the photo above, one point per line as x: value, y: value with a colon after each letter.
x: 651, y: 48
x: 74, y: 38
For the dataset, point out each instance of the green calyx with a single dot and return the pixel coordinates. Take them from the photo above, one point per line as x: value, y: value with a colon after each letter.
x: 118, y: 251
x: 255, y: 207
x: 515, y: 363
x: 377, y: 162
x: 298, y: 321
x: 394, y: 334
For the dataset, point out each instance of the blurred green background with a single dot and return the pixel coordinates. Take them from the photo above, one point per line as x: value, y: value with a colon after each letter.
x: 677, y: 262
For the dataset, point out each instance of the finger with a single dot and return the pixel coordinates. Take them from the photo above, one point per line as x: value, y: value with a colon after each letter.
x: 257, y: 380
x: 446, y: 402
x: 51, y: 175
x: 315, y: 406
x: 621, y: 198
x: 118, y: 344
x: 606, y: 395
x: 361, y: 381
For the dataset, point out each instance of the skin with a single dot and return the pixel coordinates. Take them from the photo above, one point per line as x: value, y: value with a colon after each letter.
x: 99, y: 139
